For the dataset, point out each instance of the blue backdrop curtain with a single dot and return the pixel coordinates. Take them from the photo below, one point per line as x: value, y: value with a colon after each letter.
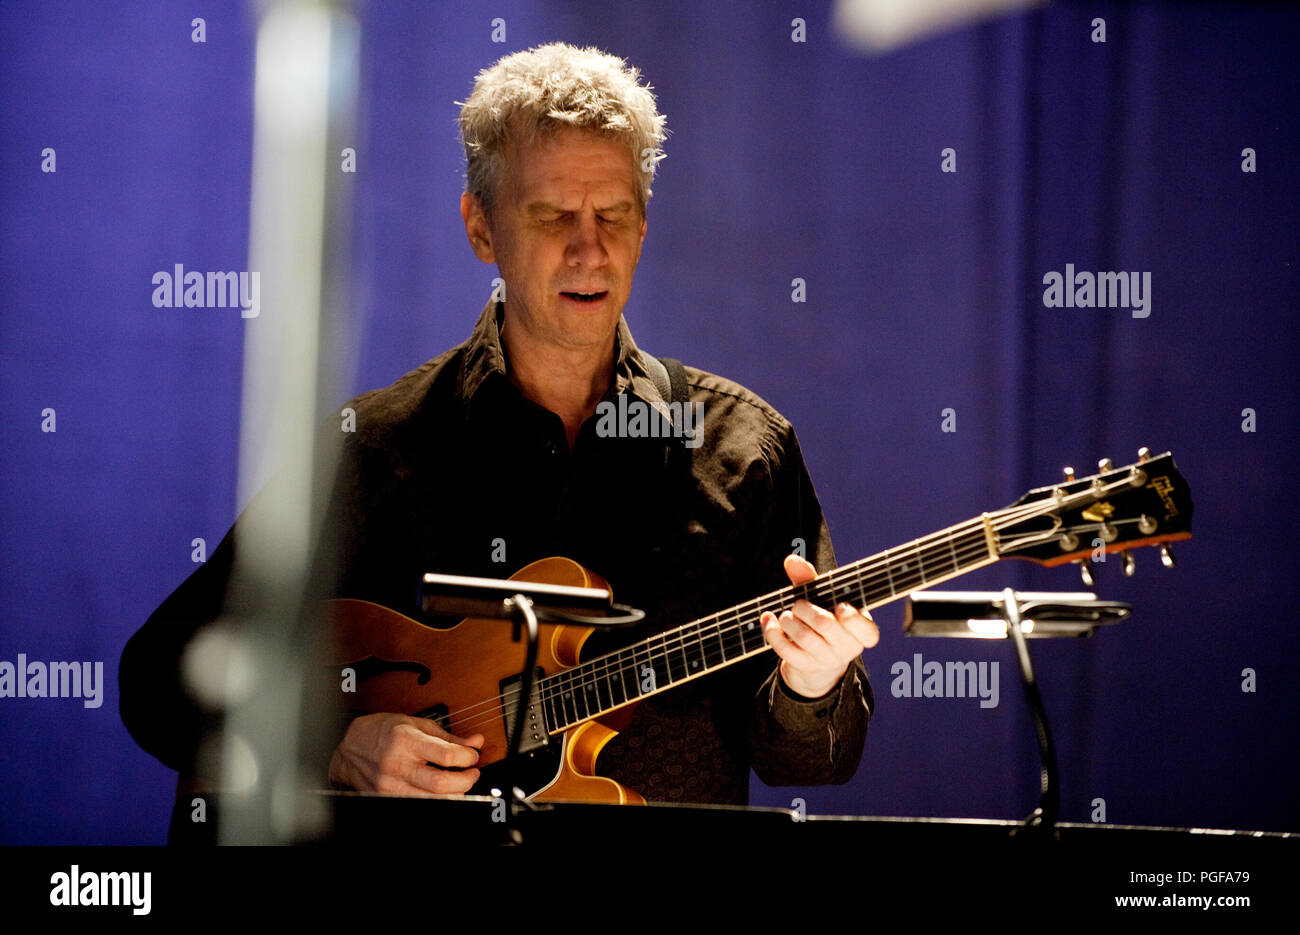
x: 788, y: 160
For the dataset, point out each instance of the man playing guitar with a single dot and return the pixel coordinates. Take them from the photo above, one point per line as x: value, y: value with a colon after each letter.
x: 494, y: 448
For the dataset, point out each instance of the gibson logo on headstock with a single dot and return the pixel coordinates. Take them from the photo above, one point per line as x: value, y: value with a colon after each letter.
x: 1163, y: 488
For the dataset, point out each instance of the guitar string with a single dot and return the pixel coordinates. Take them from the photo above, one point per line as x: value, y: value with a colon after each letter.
x: 718, y: 638
x: 863, y: 571
x: 677, y: 637
x: 716, y: 627
x: 821, y: 591
x: 724, y: 630
x: 725, y: 623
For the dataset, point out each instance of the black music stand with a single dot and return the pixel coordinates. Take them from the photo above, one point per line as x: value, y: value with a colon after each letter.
x: 1008, y: 614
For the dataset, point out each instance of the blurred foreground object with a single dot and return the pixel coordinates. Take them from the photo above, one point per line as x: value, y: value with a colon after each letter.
x: 884, y: 25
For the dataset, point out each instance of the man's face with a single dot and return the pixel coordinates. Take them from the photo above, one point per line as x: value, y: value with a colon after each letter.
x: 566, y: 233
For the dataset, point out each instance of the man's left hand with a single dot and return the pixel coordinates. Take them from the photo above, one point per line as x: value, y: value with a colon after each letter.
x: 816, y: 645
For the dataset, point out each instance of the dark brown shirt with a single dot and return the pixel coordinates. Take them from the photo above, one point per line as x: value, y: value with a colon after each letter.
x: 452, y: 469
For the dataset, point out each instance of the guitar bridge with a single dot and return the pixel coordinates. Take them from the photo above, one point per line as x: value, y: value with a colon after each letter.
x: 535, y: 735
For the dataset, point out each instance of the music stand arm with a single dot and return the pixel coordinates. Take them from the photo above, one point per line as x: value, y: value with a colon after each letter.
x: 1049, y: 801
x: 520, y: 611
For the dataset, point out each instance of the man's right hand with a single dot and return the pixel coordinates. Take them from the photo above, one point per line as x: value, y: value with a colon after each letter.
x: 400, y: 755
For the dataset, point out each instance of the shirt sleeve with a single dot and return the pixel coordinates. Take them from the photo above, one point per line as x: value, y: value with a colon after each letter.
x: 795, y: 740
x: 155, y: 706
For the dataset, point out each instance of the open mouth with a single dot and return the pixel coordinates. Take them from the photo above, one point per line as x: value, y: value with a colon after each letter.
x: 586, y: 297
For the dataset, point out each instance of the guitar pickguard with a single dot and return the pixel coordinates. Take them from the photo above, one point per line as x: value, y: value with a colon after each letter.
x: 532, y: 772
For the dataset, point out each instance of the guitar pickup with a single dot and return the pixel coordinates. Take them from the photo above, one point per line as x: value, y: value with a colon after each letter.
x: 438, y: 714
x: 535, y: 735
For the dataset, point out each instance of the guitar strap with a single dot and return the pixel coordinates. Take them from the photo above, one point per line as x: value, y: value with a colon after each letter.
x: 664, y: 519
x: 681, y: 393
x: 669, y: 378
x: 677, y: 457
x: 658, y: 374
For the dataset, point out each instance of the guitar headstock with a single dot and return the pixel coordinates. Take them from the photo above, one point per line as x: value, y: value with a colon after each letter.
x: 1146, y: 503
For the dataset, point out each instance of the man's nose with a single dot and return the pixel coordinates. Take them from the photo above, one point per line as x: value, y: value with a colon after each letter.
x: 585, y: 247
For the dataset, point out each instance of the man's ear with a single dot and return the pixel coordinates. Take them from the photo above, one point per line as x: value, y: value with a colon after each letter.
x: 476, y: 228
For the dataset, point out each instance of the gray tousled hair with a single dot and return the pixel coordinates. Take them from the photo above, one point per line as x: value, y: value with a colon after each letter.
x: 547, y: 88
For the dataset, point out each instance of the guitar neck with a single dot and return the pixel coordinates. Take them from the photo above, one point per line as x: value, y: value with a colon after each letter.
x: 702, y: 646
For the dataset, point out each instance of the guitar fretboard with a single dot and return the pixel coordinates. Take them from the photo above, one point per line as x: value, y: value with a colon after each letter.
x: 607, y: 682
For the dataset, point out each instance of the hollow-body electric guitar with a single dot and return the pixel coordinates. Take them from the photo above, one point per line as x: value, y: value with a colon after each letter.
x: 467, y: 677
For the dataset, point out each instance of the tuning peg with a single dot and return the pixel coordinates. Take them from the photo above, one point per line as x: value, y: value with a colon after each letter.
x: 1130, y: 564
x: 1167, y: 556
x: 1068, y: 472
x: 1146, y: 525
x: 1085, y: 572
x: 1105, y: 464
x: 1144, y: 455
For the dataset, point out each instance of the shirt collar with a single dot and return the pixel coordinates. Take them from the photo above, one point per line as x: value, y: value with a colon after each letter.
x: 485, y: 359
